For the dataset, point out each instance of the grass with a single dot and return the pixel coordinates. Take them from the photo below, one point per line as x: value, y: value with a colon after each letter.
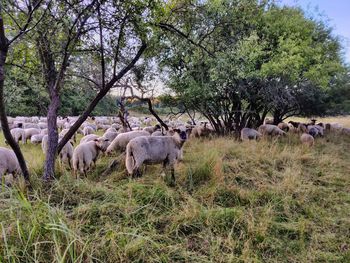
x: 267, y: 201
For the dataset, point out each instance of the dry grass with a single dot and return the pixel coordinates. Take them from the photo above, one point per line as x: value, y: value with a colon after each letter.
x: 267, y: 201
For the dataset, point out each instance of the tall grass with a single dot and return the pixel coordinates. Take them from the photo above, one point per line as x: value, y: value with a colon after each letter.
x: 267, y: 201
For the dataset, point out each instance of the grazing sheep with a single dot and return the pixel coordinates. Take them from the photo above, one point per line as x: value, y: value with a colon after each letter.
x: 201, y: 131
x: 37, y: 138
x: 152, y: 129
x: 272, y: 130
x: 250, y: 134
x: 110, y: 135
x: 8, y: 162
x: 28, y: 133
x: 111, y: 129
x: 283, y: 126
x: 18, y: 134
x: 86, y: 154
x: 302, y: 128
x: 315, y: 130
x: 66, y: 154
x: 154, y: 149
x: 88, y: 130
x: 307, y: 139
x: 88, y: 138
x: 120, y: 142
x: 294, y: 123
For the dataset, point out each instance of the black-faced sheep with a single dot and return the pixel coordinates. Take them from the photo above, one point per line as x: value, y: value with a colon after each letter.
x: 153, y: 150
x: 86, y: 154
x: 250, y: 134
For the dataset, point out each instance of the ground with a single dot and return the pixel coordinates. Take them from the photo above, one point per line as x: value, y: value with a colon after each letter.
x: 266, y: 201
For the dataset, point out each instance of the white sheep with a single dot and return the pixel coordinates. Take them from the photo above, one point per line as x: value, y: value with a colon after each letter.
x: 8, y: 162
x: 153, y: 150
x: 28, y: 133
x: 272, y: 130
x: 18, y: 134
x: 250, y: 134
x: 37, y: 138
x: 110, y: 135
x: 88, y: 130
x: 120, y: 142
x: 86, y: 154
x: 307, y: 139
x: 44, y: 143
x: 66, y: 154
x: 88, y: 138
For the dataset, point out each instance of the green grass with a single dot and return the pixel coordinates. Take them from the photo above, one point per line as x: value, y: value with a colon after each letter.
x: 267, y: 201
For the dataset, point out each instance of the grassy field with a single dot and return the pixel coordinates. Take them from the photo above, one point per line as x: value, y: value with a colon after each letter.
x: 266, y: 201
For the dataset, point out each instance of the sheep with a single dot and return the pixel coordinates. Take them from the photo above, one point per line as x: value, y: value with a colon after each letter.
x: 346, y: 131
x: 28, y: 133
x: 18, y: 134
x: 111, y: 129
x: 120, y: 142
x: 86, y: 154
x: 283, y: 126
x: 154, y: 149
x: 315, y: 130
x: 307, y: 139
x: 88, y: 138
x: 30, y: 125
x: 250, y: 134
x: 294, y: 123
x: 302, y: 128
x: 272, y: 130
x: 64, y: 131
x: 8, y: 162
x: 37, y: 138
x: 110, y: 135
x: 66, y: 154
x: 152, y: 129
x: 88, y: 130
x: 201, y: 131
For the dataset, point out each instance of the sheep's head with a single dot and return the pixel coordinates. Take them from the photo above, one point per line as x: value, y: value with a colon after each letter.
x: 181, y: 131
x: 102, y: 143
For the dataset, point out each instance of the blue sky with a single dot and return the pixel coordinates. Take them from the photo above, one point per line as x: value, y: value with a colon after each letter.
x: 336, y: 12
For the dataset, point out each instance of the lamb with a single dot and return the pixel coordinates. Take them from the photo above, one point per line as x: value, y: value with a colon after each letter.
x: 8, y: 162
x: 250, y: 134
x: 272, y: 130
x: 120, y: 142
x: 283, y: 126
x: 88, y: 130
x: 154, y: 149
x: 28, y: 133
x: 152, y: 129
x: 307, y: 139
x: 86, y: 154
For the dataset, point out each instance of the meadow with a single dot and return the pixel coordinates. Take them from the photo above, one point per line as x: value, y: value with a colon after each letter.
x: 266, y: 201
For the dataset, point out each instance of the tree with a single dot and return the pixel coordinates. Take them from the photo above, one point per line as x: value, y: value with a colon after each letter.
x: 247, y: 59
x: 23, y: 27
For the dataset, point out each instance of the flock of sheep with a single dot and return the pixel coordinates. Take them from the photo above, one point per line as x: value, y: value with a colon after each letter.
x: 142, y: 143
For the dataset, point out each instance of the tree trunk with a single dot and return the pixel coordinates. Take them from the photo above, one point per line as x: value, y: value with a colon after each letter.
x: 51, y: 153
x: 3, y: 117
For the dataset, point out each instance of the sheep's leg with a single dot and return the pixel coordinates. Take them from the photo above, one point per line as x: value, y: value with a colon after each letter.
x: 172, y: 183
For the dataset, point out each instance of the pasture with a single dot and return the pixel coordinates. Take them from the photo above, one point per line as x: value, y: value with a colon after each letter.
x: 265, y: 201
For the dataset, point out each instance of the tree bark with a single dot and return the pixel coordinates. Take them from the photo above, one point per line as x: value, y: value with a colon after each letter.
x: 4, y: 124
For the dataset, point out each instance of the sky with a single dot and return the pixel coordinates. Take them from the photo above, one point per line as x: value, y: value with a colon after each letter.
x: 336, y: 12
